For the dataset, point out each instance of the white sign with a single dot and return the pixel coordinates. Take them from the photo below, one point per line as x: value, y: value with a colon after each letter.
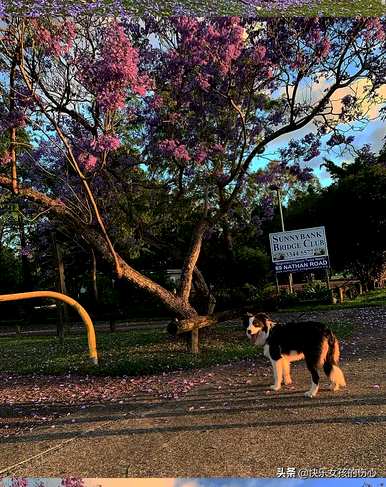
x: 306, y: 243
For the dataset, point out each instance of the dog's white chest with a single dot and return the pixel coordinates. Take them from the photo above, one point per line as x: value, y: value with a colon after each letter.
x: 266, y: 351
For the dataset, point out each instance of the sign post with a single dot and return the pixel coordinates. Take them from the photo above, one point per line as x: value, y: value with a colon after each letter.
x: 276, y: 188
x: 299, y: 250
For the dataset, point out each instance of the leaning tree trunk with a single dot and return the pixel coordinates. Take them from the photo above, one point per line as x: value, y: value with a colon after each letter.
x: 174, y: 303
x: 191, y: 260
x: 187, y: 277
x: 178, y: 306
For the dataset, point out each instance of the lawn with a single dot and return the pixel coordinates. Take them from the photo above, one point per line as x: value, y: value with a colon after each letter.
x: 372, y: 298
x: 129, y: 353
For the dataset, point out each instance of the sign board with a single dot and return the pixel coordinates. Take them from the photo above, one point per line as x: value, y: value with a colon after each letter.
x: 299, y: 250
x: 302, y: 265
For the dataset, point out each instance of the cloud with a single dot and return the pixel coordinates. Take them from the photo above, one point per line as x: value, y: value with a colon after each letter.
x: 359, y: 89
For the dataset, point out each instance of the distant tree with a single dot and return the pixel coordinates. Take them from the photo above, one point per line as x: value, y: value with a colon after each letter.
x: 353, y: 210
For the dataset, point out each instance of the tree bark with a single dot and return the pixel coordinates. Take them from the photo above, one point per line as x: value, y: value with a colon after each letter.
x: 178, y: 327
x: 25, y: 265
x: 191, y: 260
x: 94, y: 277
x: 63, y: 310
x: 12, y: 130
x: 204, y: 301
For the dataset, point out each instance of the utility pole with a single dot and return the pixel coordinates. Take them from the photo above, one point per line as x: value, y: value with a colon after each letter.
x: 276, y: 188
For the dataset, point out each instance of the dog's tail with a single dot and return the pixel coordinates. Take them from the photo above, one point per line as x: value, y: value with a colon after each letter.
x: 330, y: 366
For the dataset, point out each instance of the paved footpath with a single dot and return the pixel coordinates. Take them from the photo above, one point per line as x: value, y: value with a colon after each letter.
x: 231, y: 426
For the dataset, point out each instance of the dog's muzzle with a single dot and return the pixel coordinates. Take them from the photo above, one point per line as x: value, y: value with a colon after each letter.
x: 252, y: 337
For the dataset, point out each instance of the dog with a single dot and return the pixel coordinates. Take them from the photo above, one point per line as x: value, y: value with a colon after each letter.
x: 283, y: 344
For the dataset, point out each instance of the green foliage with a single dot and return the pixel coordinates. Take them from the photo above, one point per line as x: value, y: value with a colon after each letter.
x: 353, y: 212
x: 252, y: 264
x: 10, y: 271
x: 316, y: 290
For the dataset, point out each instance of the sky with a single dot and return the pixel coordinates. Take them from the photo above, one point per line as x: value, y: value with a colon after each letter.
x: 371, y: 130
x: 373, y: 134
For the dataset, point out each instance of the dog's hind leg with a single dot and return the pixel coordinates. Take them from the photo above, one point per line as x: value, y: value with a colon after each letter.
x: 330, y: 367
x: 314, y: 379
x: 335, y: 374
x: 287, y: 372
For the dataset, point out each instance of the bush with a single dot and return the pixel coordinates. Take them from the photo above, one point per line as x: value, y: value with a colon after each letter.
x: 315, y: 291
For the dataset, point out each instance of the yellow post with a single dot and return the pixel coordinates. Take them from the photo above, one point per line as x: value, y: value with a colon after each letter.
x: 71, y: 302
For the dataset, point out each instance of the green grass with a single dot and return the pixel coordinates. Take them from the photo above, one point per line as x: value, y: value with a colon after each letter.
x: 129, y: 353
x: 372, y: 298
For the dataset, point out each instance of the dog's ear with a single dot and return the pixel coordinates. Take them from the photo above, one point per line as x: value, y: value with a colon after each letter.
x: 265, y: 319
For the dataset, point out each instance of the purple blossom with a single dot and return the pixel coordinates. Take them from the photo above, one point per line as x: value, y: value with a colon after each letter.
x: 219, y: 148
x: 88, y: 161
x: 338, y: 139
x: 106, y: 142
x: 280, y: 4
x: 19, y: 482
x: 26, y: 251
x: 173, y: 148
x: 201, y: 156
x: 5, y: 159
x: 267, y: 208
x: 324, y: 48
x: 39, y: 8
x: 181, y: 153
x: 72, y: 482
x: 114, y: 70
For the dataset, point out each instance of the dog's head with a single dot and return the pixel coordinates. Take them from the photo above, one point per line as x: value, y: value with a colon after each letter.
x: 257, y: 327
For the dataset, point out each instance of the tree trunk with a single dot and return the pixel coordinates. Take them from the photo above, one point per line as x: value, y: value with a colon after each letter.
x: 113, y: 325
x: 204, y: 301
x: 179, y: 327
x: 25, y: 266
x: 228, y: 241
x: 191, y: 260
x: 63, y: 311
x: 94, y: 277
x: 12, y: 130
x: 195, y: 345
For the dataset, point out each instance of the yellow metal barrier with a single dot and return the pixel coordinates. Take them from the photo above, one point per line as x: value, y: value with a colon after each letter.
x: 71, y: 302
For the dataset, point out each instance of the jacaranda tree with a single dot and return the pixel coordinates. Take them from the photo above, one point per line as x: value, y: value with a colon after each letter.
x: 179, y: 110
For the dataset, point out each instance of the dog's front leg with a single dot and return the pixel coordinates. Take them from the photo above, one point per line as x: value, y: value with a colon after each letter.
x: 277, y: 366
x: 287, y: 372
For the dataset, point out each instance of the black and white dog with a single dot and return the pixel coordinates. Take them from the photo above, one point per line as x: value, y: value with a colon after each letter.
x: 290, y: 342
